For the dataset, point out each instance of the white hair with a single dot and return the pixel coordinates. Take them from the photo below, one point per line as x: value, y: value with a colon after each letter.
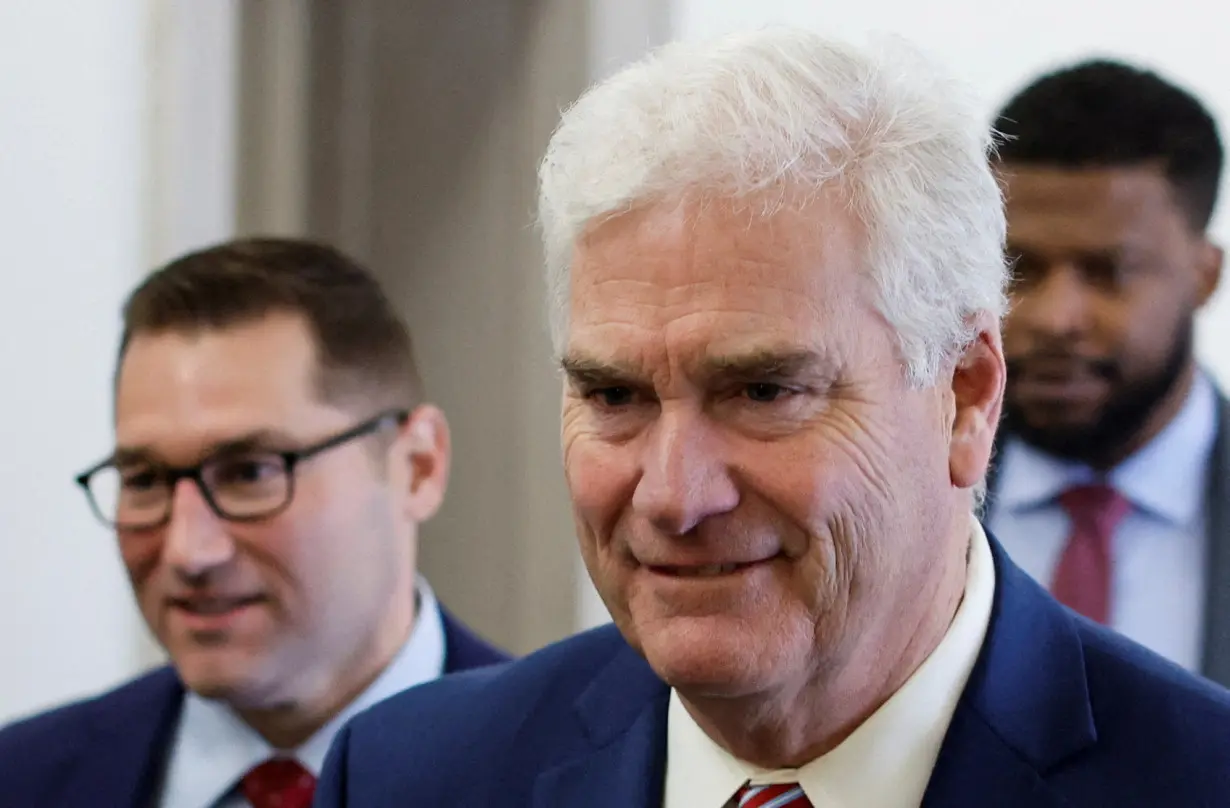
x: 785, y: 110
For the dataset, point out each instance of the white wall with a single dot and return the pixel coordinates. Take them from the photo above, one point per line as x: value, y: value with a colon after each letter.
x: 72, y: 87
x: 999, y: 46
x: 191, y: 75
x: 114, y: 155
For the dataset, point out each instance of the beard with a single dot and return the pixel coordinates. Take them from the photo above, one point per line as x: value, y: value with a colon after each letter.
x: 1120, y: 419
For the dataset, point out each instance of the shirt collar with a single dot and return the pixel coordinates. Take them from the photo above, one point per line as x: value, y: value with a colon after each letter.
x: 1165, y: 476
x: 213, y: 748
x: 888, y: 760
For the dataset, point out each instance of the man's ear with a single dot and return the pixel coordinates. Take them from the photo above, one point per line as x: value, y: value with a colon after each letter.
x: 1210, y: 261
x: 978, y: 380
x: 423, y: 450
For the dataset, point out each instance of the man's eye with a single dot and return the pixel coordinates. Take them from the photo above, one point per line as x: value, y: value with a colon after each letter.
x: 1027, y: 270
x: 247, y: 471
x: 765, y: 392
x: 611, y: 396
x: 139, y: 479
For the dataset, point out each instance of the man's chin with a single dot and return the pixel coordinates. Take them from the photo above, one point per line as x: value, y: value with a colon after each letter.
x: 218, y: 674
x: 702, y: 659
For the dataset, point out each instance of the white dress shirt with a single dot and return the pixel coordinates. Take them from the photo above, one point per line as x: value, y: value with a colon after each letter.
x: 1158, y: 550
x: 887, y: 761
x: 213, y: 749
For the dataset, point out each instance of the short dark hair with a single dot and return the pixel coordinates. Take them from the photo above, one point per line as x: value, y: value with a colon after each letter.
x: 363, y: 347
x: 1106, y: 114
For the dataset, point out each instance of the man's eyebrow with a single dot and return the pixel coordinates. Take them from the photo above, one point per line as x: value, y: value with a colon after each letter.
x: 766, y: 364
x: 753, y: 365
x: 256, y: 440
x: 590, y: 371
x: 1113, y: 252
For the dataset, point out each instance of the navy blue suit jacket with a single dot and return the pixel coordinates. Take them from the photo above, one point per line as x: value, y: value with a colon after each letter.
x: 1058, y: 712
x: 110, y: 751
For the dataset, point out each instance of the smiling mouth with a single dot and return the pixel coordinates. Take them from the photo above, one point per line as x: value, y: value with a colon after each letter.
x: 704, y: 571
x: 214, y: 606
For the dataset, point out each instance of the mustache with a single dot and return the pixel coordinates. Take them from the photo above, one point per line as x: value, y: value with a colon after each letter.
x: 1052, y: 360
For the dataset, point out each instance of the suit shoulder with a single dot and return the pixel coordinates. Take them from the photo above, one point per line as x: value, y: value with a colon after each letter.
x: 1155, y: 713
x: 1116, y: 663
x: 477, y: 713
x: 39, y: 746
x: 487, y: 723
x: 481, y: 693
x: 73, y: 716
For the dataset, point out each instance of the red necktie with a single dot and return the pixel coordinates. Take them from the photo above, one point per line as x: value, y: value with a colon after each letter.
x: 1083, y: 577
x: 279, y: 783
x: 786, y: 795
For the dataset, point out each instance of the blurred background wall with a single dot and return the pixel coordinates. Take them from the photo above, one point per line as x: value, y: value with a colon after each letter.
x: 117, y: 150
x: 406, y: 131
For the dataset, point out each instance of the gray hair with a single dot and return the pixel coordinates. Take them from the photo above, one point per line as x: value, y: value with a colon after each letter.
x: 782, y: 110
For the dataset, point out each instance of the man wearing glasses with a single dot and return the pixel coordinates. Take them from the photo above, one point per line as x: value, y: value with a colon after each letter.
x: 273, y: 461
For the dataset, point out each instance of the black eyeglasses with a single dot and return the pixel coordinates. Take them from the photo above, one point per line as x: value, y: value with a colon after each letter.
x: 240, y: 486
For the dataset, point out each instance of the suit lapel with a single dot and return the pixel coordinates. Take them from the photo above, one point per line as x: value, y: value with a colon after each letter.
x: 130, y: 735
x: 1022, y: 712
x: 623, y: 717
x: 1216, y: 663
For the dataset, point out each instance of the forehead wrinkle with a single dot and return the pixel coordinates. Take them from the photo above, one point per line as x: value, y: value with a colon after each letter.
x: 668, y: 286
x: 692, y: 341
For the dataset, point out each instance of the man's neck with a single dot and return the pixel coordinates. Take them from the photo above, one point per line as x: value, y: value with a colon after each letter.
x: 791, y: 727
x: 290, y: 726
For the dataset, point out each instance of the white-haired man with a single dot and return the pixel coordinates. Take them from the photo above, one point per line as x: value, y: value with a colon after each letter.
x: 778, y: 274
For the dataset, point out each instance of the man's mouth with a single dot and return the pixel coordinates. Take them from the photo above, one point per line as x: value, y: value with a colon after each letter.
x: 1059, y: 369
x: 703, y: 570
x: 214, y: 606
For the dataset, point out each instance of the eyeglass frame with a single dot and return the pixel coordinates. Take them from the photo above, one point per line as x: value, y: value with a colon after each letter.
x: 290, y: 458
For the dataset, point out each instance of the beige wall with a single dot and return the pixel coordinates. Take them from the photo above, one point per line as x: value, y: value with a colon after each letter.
x: 453, y: 115
x: 411, y: 139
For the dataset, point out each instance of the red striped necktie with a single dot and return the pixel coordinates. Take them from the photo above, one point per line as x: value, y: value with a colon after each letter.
x: 785, y: 795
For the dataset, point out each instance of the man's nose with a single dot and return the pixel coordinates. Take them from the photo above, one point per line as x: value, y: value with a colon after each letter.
x: 684, y: 477
x: 1057, y: 304
x: 197, y: 540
